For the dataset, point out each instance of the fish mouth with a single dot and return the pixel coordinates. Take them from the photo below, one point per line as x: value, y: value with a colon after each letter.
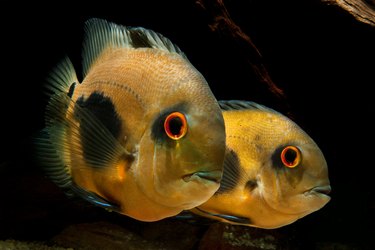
x: 320, y: 190
x: 213, y: 176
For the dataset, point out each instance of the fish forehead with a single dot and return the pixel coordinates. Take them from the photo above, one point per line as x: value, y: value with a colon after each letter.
x: 157, y: 78
x: 141, y: 68
x: 263, y: 128
x: 256, y: 135
x: 154, y: 75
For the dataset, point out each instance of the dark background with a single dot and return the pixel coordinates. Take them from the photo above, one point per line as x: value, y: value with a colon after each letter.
x: 321, y: 57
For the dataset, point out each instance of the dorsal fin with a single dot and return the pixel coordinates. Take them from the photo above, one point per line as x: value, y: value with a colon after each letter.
x: 228, y: 105
x: 101, y: 34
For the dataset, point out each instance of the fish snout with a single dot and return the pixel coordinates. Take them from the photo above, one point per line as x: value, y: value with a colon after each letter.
x: 212, y: 176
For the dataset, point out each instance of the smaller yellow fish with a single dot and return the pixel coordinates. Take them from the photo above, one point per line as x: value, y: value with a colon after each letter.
x: 274, y: 173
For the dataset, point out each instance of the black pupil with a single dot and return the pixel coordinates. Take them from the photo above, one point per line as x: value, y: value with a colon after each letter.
x: 290, y: 156
x: 175, y: 125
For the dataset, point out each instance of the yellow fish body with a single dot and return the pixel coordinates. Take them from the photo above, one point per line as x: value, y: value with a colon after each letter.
x: 274, y: 173
x: 134, y: 136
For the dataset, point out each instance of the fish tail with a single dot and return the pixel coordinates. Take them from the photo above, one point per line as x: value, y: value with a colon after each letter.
x: 55, y: 169
x: 48, y: 158
x: 49, y: 154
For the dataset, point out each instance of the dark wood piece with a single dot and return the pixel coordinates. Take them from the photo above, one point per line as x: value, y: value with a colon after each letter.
x: 362, y: 10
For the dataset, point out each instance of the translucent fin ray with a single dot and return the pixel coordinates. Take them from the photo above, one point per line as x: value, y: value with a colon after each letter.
x: 68, y: 134
x: 101, y: 34
x: 228, y: 105
x: 232, y: 172
x: 62, y: 77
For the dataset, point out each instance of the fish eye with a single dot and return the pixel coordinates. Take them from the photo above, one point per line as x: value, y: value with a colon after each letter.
x: 175, y: 125
x: 291, y: 156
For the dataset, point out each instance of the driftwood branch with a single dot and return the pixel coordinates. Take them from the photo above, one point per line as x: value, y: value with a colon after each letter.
x: 221, y: 22
x: 362, y: 10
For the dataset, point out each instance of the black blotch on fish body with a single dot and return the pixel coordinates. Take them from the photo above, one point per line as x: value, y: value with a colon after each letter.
x: 139, y: 39
x: 231, y: 174
x: 71, y: 89
x: 158, y: 134
x: 104, y: 110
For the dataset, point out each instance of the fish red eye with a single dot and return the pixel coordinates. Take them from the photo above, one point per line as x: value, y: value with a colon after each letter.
x: 175, y: 125
x: 291, y: 156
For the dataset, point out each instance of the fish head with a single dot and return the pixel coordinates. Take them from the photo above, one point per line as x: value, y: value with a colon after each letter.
x: 294, y: 181
x: 182, y: 151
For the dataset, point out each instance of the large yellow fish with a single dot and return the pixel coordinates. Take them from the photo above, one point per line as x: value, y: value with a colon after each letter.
x: 274, y: 173
x: 142, y: 134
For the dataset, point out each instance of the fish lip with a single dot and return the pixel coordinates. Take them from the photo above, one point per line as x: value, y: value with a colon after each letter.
x: 213, y: 176
x: 320, y: 190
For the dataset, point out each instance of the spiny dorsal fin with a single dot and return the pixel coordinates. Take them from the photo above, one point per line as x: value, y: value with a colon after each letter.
x: 101, y: 34
x: 228, y: 105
